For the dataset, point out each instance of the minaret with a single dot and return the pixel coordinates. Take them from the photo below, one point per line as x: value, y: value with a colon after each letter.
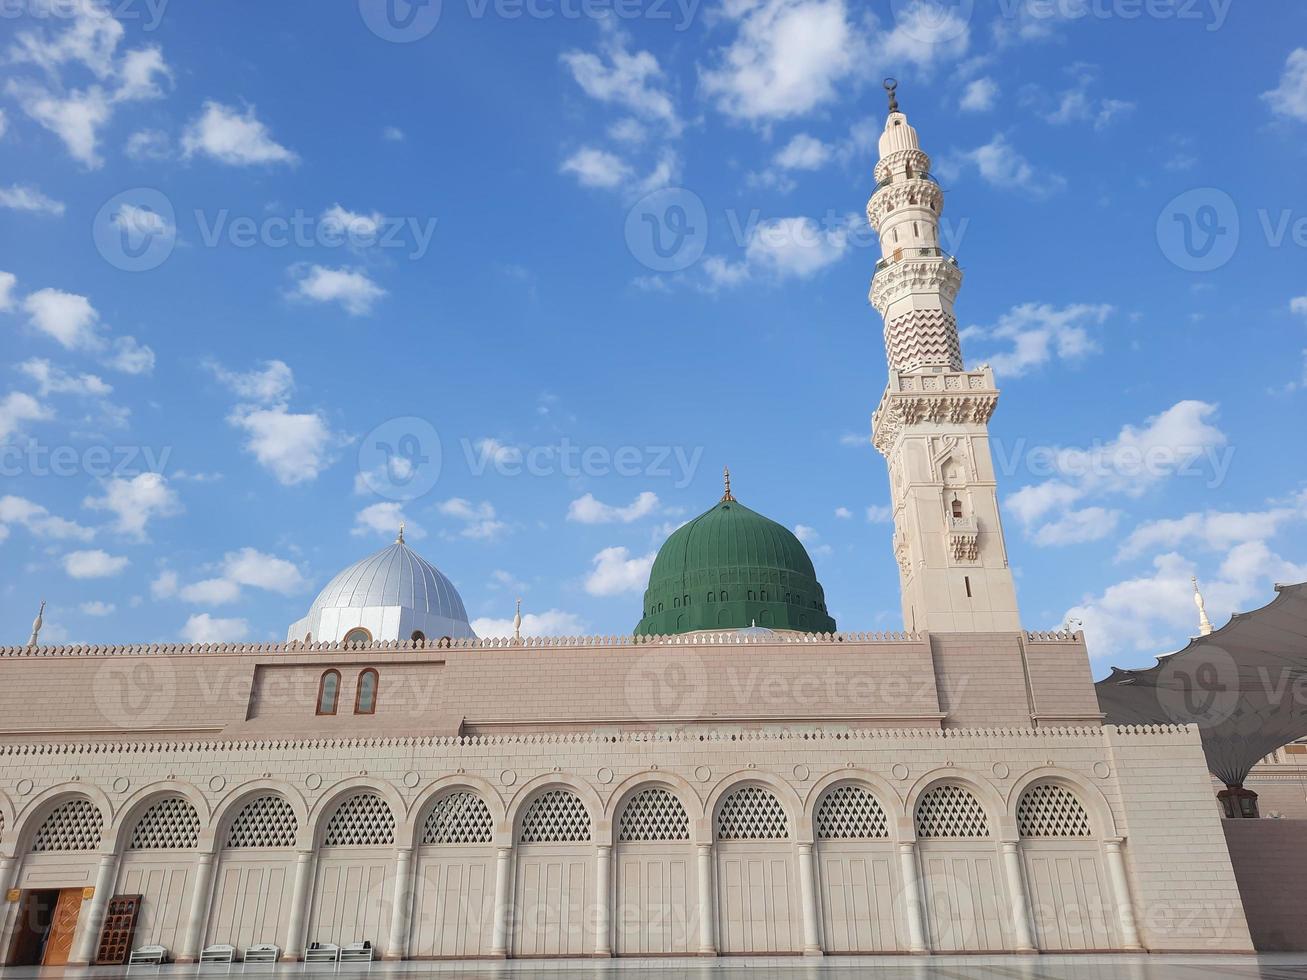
x: 932, y: 425
x: 37, y: 623
x: 1204, y: 624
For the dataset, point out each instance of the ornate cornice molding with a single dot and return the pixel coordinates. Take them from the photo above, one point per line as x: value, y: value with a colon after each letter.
x: 935, y: 274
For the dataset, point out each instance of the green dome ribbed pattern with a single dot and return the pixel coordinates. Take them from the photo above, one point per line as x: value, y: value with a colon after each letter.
x: 730, y: 568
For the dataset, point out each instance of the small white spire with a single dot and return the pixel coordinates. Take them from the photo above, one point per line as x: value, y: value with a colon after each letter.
x: 400, y: 538
x: 1204, y: 624
x: 517, y: 622
x: 37, y: 623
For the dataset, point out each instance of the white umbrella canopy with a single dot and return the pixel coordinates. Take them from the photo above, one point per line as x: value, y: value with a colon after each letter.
x: 1244, y: 686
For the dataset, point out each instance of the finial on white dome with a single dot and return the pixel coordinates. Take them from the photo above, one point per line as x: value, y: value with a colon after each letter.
x: 399, y: 539
x: 726, y: 478
x: 1204, y: 624
x: 37, y: 623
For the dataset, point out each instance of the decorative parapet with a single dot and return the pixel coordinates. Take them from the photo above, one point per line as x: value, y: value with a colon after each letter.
x: 899, y: 274
x: 1055, y: 636
x: 944, y: 396
x: 918, y: 191
x: 468, y: 643
x: 583, y: 738
x: 901, y: 161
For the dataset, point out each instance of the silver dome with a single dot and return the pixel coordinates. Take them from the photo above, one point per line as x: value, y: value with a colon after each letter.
x: 394, y: 576
x: 390, y: 593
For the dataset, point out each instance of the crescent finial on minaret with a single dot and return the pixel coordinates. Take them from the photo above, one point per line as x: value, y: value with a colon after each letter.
x: 892, y: 90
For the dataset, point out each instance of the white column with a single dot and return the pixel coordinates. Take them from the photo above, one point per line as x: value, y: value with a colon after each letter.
x: 707, y: 902
x: 808, y: 896
x: 8, y: 910
x: 912, y: 909
x: 503, y: 882
x: 401, y: 909
x: 91, y: 918
x: 1016, y: 890
x: 604, y: 900
x: 1121, y: 890
x: 193, y: 938
x: 293, y: 947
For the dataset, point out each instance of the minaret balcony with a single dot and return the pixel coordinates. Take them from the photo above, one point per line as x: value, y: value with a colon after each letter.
x: 925, y: 252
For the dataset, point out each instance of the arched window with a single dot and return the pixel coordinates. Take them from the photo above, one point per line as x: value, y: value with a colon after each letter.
x: 849, y: 812
x: 951, y: 811
x: 1051, y: 810
x: 711, y: 597
x: 77, y: 825
x: 722, y: 597
x: 328, y: 692
x: 653, y: 815
x: 361, y: 821
x: 169, y: 825
x: 358, y: 635
x: 752, y: 813
x: 957, y: 508
x: 365, y: 699
x: 555, y: 817
x: 266, y: 821
x: 418, y: 637
x: 459, y: 818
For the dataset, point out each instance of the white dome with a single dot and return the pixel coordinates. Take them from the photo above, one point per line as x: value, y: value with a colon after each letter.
x: 391, y: 594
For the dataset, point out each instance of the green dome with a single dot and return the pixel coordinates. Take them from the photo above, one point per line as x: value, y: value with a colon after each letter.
x: 730, y: 568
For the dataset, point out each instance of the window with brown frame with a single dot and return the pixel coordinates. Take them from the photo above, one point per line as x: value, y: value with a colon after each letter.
x: 328, y: 692
x: 365, y: 698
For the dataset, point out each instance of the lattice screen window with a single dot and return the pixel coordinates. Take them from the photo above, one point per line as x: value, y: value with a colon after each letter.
x: 459, y: 818
x: 752, y: 813
x: 1050, y: 810
x: 170, y: 824
x: 361, y: 821
x: 77, y: 825
x: 653, y: 814
x: 267, y: 821
x: 555, y: 817
x: 849, y: 812
x: 951, y: 811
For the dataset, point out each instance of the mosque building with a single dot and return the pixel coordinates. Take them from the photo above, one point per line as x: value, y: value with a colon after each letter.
x: 736, y: 776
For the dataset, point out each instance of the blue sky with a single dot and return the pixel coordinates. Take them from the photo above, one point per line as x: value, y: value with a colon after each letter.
x: 250, y: 249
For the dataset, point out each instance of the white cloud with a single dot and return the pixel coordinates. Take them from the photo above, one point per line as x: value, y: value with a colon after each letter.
x: 97, y: 608
x: 354, y: 226
x: 351, y: 288
x: 384, y: 519
x: 803, y: 152
x: 393, y: 134
x: 293, y: 447
x: 164, y: 585
x: 39, y: 521
x: 229, y: 136
x: 90, y: 38
x: 1078, y: 527
x: 1031, y: 503
x: 980, y: 95
x: 18, y: 407
x: 24, y: 197
x: 843, y: 513
x: 880, y: 514
x: 1290, y: 97
x: 616, y: 572
x: 1039, y: 333
x: 596, y: 168
x: 1078, y: 103
x: 1212, y: 530
x: 788, y: 58
x: 633, y: 81
x: 554, y: 622
x: 925, y: 32
x: 479, y: 520
x: 588, y: 510
x: 135, y: 502
x: 628, y: 130
x: 130, y: 356
x: 67, y: 317
x: 805, y: 533
x: 52, y: 380
x: 783, y: 248
x: 255, y: 569
x: 149, y: 144
x: 93, y: 564
x: 273, y: 382
x: 500, y: 579
x: 7, y: 283
x: 1298, y: 306
x: 1001, y: 165
x: 210, y: 592
x: 203, y: 628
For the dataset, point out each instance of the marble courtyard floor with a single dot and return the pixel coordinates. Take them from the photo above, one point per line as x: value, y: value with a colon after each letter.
x: 1051, y: 967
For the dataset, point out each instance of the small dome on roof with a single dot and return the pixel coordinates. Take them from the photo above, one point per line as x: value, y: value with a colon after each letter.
x: 393, y: 594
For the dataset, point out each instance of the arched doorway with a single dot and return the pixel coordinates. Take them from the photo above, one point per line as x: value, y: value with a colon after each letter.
x: 454, y: 885
x: 256, y: 873
x: 656, y: 892
x: 861, y: 896
x: 554, y: 893
x: 158, y: 863
x: 355, y: 874
x: 1063, y: 861
x: 757, y: 890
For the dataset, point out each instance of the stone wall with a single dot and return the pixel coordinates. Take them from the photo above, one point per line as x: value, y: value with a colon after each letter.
x: 1270, y: 864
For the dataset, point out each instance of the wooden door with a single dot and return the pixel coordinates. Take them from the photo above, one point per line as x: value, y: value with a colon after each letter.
x: 62, y: 927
